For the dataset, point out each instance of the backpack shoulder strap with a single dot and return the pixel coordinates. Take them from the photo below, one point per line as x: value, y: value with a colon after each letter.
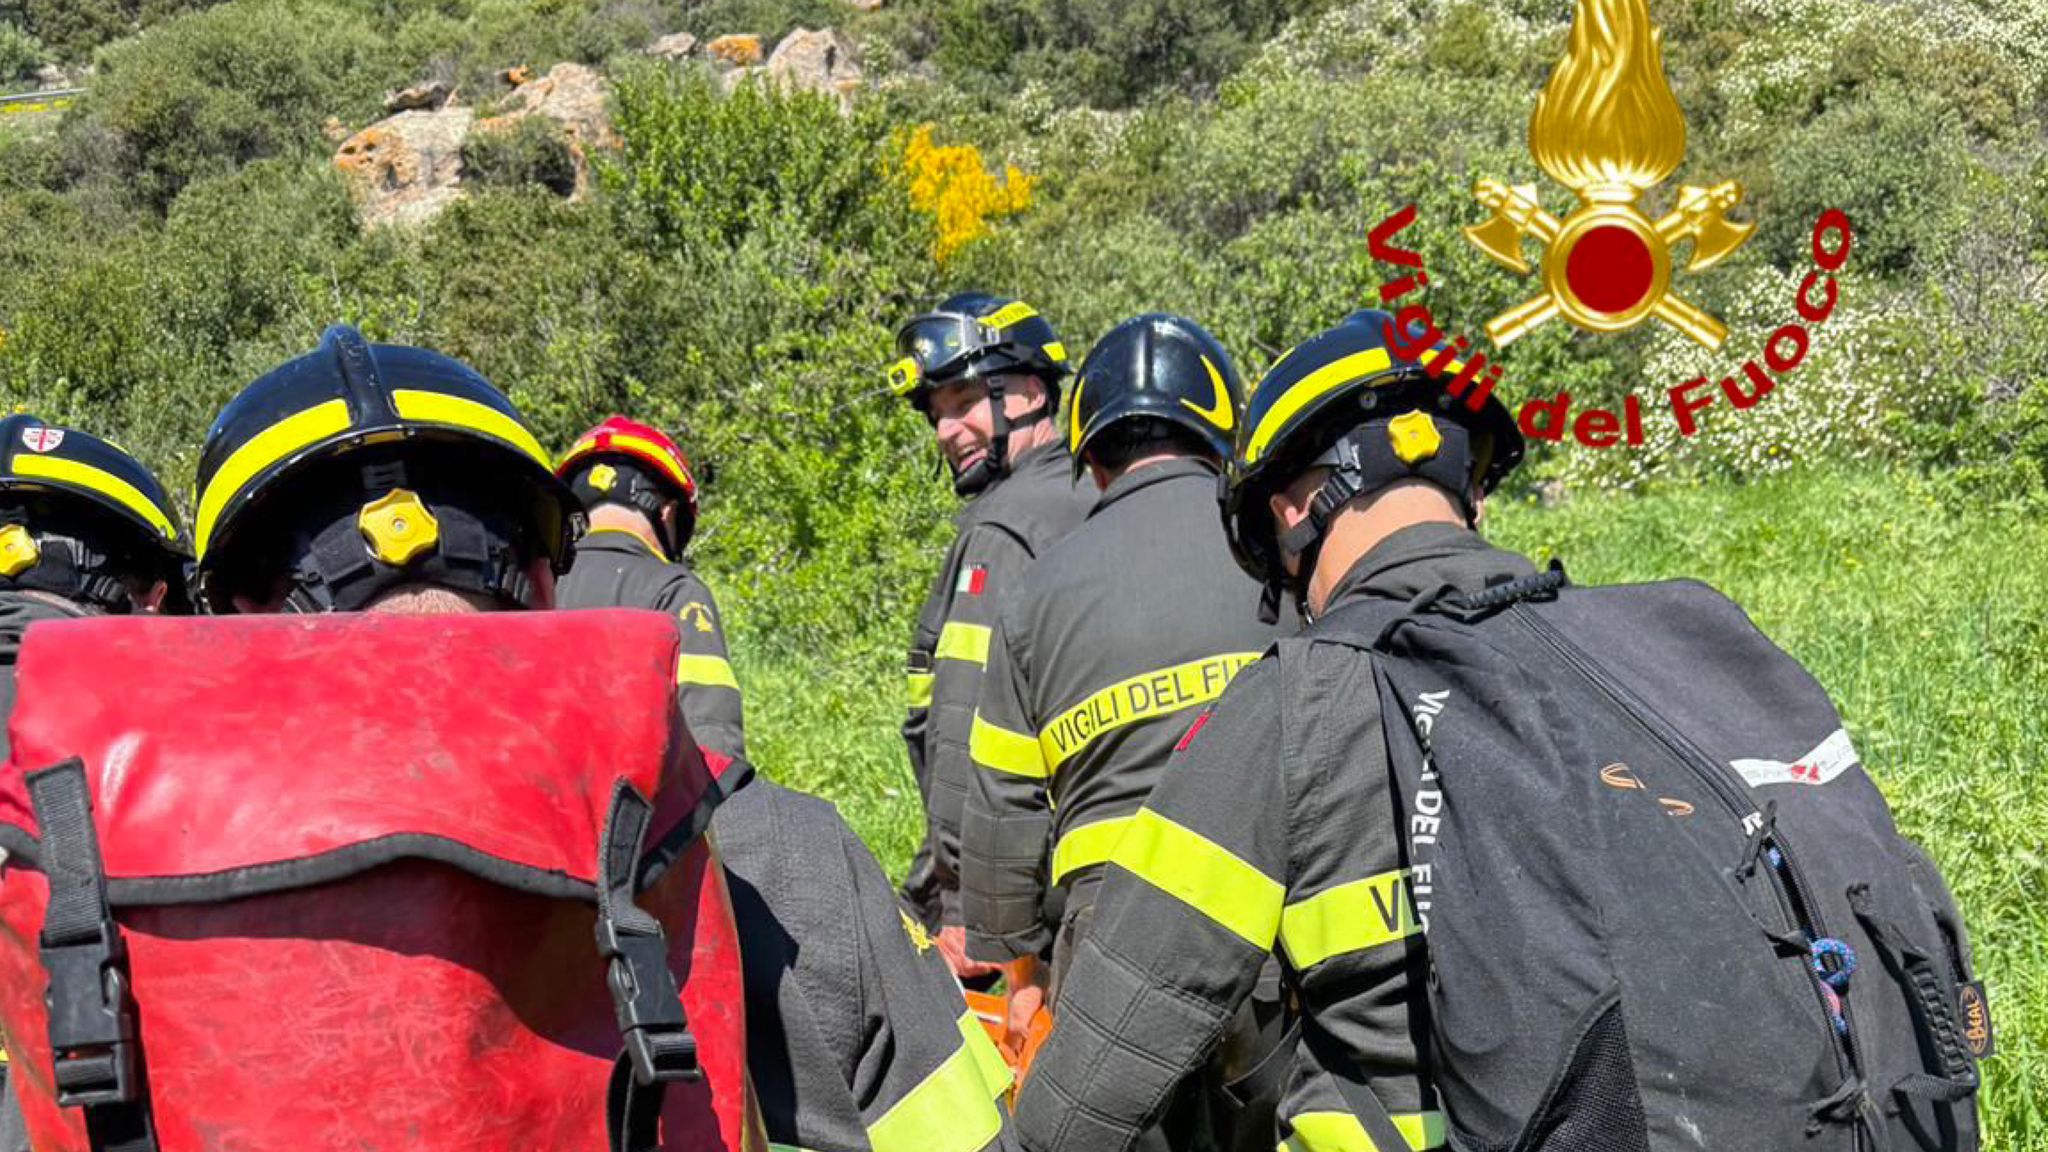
x: 1369, y: 621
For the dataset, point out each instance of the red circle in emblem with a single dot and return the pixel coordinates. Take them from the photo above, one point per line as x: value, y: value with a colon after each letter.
x: 1610, y: 269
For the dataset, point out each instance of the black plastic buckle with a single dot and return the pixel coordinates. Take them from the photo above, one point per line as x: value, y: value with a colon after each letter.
x: 92, y: 1023
x: 648, y: 1004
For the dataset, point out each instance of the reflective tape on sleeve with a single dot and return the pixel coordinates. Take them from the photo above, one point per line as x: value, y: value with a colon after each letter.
x: 1087, y: 845
x: 1348, y: 918
x: 919, y: 685
x: 1203, y: 875
x: 1341, y: 1132
x: 711, y: 671
x: 1001, y: 750
x: 951, y: 1110
x: 959, y: 641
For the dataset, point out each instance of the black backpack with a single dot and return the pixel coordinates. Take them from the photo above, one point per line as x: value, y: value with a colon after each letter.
x: 1665, y: 907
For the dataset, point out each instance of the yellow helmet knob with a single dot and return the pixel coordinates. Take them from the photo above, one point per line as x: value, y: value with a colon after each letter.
x: 18, y: 551
x: 398, y: 527
x: 603, y: 477
x: 1414, y: 437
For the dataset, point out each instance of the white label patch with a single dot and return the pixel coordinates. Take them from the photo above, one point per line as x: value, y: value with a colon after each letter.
x: 42, y: 439
x: 1834, y: 756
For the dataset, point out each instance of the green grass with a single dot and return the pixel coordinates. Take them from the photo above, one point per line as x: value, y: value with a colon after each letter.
x: 1925, y: 621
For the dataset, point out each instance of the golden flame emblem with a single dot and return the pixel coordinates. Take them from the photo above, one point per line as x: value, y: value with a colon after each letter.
x: 1608, y: 127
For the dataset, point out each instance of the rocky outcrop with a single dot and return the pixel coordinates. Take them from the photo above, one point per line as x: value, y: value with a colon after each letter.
x: 674, y: 46
x: 741, y: 50
x: 821, y: 61
x: 407, y: 168
x: 426, y: 97
x: 575, y: 99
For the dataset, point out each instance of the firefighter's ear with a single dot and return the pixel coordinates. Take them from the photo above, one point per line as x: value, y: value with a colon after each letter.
x: 1291, y: 505
x: 151, y: 600
x: 542, y: 573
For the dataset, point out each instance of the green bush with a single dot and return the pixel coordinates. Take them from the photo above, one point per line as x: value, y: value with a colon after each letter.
x: 20, y: 54
x: 202, y: 94
x: 532, y: 151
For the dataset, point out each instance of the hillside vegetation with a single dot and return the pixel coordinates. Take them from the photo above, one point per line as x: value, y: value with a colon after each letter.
x: 181, y: 228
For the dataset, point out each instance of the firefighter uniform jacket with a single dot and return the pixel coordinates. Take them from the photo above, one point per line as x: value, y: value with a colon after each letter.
x: 857, y: 1036
x: 997, y: 537
x: 615, y: 569
x: 1122, y: 631
x: 1273, y: 829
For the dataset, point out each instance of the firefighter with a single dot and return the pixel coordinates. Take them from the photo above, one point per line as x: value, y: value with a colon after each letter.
x: 85, y: 530
x: 1354, y: 476
x: 395, y: 479
x: 986, y: 372
x: 1115, y: 639
x: 641, y: 497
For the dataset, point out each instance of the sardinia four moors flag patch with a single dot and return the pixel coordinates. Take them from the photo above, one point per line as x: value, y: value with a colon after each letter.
x: 973, y: 579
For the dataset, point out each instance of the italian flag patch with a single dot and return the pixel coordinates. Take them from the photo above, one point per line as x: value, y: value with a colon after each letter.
x: 973, y: 579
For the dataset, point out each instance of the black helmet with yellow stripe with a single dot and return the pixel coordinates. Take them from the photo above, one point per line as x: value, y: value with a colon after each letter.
x: 359, y: 467
x: 81, y: 518
x: 1152, y: 370
x: 974, y: 336
x: 1343, y: 399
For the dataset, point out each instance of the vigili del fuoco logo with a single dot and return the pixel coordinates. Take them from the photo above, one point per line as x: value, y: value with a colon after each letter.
x: 1608, y: 127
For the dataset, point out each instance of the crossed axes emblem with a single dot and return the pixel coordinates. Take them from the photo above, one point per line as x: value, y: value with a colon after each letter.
x: 1623, y: 276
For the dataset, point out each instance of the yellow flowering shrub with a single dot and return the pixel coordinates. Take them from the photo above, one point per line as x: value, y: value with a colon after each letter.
x: 951, y: 184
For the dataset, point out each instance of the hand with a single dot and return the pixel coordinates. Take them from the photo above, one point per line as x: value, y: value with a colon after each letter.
x: 1025, y: 1002
x: 952, y: 941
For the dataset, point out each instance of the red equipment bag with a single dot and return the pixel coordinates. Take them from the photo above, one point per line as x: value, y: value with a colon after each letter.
x: 364, y: 882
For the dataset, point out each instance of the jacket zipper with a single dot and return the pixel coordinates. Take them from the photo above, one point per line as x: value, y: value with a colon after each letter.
x: 1791, y: 886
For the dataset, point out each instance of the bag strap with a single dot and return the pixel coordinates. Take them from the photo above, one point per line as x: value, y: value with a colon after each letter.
x: 93, y: 1045
x: 1375, y: 619
x: 658, y: 1048
x: 1365, y: 1107
x: 1956, y: 1078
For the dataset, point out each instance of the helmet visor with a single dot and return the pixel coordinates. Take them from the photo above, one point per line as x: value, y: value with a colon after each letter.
x: 933, y: 347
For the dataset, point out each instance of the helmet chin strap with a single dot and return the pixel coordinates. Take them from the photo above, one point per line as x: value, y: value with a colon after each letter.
x: 996, y: 462
x: 1360, y: 464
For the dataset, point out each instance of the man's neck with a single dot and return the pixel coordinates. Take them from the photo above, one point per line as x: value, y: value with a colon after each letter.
x: 1104, y: 477
x: 1029, y: 439
x: 1361, y: 525
x: 616, y: 518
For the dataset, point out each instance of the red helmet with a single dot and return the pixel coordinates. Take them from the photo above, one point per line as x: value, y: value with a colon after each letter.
x: 626, y: 462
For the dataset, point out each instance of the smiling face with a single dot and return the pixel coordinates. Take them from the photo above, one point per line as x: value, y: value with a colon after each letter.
x: 964, y: 422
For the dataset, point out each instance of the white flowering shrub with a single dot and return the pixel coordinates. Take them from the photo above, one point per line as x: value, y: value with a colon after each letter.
x: 1863, y: 376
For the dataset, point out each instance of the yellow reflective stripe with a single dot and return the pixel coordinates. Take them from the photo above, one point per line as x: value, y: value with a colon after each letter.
x: 962, y: 642
x: 98, y: 480
x: 267, y: 447
x: 1009, y: 314
x: 1348, y: 918
x: 1056, y: 352
x: 1201, y: 874
x: 640, y: 448
x: 920, y: 684
x: 995, y: 1071
x: 1089, y: 844
x: 714, y: 671
x: 1341, y: 1132
x: 1312, y: 387
x: 951, y: 1110
x: 441, y: 408
x: 1159, y: 692
x: 1001, y: 750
